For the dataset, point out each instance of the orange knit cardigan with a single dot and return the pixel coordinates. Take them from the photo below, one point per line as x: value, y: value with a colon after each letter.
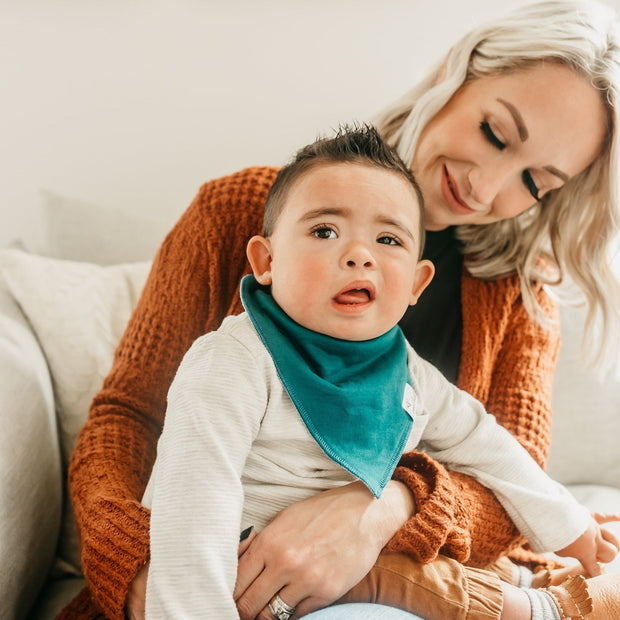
x: 507, y: 362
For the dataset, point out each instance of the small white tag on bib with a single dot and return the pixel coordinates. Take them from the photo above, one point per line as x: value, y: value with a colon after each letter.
x: 409, y: 400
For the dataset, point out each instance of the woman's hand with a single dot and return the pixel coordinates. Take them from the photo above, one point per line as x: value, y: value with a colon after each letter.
x: 595, y: 545
x: 136, y: 596
x: 316, y: 550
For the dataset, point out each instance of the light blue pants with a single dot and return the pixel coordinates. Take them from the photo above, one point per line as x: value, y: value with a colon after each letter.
x: 361, y: 611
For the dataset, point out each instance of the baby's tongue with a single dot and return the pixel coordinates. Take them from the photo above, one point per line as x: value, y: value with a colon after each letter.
x: 354, y: 296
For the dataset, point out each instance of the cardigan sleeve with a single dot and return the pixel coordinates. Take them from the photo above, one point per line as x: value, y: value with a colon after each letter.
x: 187, y: 293
x: 507, y: 364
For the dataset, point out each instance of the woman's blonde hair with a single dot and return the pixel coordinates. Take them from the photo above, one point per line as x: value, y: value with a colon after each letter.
x: 570, y: 234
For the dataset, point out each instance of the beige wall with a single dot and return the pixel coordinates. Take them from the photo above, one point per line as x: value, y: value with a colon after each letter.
x: 132, y: 104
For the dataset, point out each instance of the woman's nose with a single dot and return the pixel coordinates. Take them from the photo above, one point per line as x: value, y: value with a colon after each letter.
x: 357, y: 254
x: 486, y: 183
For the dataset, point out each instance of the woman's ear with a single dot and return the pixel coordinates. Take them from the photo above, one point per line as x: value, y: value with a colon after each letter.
x: 259, y: 254
x: 424, y: 272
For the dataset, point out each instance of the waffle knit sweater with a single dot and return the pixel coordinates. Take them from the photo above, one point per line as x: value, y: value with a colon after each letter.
x: 507, y: 363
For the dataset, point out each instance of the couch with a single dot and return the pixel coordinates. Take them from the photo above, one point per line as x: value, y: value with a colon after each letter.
x: 63, y: 306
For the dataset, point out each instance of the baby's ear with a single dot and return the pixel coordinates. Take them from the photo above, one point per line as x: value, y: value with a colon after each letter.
x: 424, y: 272
x: 259, y: 254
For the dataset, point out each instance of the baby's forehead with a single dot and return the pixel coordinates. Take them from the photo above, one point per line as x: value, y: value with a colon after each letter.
x: 352, y: 190
x: 333, y: 170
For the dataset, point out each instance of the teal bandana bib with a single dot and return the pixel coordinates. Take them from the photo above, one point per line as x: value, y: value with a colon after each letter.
x: 350, y: 395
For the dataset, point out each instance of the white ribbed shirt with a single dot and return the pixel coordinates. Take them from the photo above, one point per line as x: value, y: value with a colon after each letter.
x: 234, y: 451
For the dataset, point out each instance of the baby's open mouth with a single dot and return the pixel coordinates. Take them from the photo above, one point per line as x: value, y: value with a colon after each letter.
x: 354, y: 296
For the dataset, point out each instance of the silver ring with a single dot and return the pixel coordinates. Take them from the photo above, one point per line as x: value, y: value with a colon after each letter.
x: 279, y: 609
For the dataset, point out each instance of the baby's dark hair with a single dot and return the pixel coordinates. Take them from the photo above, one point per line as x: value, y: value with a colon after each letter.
x: 358, y: 144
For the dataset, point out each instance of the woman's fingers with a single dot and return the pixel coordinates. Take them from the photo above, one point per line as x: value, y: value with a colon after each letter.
x: 254, y: 600
x: 288, y: 598
x: 249, y: 568
x: 245, y: 540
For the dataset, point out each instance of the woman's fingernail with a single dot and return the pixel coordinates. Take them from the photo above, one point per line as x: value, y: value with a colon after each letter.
x: 246, y: 532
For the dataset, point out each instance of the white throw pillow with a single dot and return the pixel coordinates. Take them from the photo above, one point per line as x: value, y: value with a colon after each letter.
x: 83, y: 231
x: 78, y: 312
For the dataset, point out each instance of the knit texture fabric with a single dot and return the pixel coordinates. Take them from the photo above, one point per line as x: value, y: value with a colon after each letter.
x: 507, y: 363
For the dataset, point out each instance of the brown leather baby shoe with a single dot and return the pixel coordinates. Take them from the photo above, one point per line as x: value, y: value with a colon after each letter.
x: 597, y: 598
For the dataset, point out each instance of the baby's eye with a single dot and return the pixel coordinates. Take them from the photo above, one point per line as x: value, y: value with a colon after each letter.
x: 490, y: 136
x: 388, y: 240
x: 529, y: 183
x: 324, y: 232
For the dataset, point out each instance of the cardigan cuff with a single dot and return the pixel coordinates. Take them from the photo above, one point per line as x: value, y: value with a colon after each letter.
x: 113, y: 554
x: 432, y: 529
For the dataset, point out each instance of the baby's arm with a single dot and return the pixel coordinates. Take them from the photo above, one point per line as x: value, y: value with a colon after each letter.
x: 595, y: 545
x: 214, y: 409
x: 464, y: 437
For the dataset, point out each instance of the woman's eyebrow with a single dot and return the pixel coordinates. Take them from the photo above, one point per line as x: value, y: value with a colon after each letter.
x: 518, y: 119
x: 524, y: 135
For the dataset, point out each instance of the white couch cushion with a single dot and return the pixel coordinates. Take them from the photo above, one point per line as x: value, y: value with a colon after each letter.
x: 586, y: 415
x: 78, y: 312
x: 30, y: 467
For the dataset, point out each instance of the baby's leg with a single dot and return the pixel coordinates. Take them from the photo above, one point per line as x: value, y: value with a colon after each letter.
x: 436, y: 591
x: 447, y: 589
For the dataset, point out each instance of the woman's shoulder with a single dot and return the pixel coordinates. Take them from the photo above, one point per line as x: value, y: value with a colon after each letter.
x: 501, y: 298
x: 255, y: 180
x: 507, y: 287
x: 237, y: 199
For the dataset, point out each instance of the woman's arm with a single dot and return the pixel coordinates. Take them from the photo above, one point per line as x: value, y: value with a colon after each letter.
x: 193, y: 284
x: 507, y: 363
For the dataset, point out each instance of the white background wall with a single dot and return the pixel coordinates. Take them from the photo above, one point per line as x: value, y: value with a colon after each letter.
x: 132, y: 104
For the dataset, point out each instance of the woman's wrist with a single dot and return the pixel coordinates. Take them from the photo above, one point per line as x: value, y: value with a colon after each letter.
x: 392, y: 510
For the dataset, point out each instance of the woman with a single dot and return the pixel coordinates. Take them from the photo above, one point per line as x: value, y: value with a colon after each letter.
x: 513, y: 141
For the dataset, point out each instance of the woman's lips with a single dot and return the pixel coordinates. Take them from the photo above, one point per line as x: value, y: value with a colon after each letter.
x: 450, y: 193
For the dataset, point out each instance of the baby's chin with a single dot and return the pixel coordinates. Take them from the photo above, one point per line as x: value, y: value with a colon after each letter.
x: 352, y: 333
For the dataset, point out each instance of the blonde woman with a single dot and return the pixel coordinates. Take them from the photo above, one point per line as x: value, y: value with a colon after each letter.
x: 513, y: 140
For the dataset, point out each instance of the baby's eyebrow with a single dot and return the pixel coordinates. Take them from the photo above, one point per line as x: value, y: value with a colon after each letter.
x: 390, y: 221
x: 344, y: 211
x: 322, y: 212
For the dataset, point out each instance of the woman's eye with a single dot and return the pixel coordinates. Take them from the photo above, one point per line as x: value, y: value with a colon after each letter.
x: 387, y: 240
x: 529, y: 183
x: 324, y: 232
x: 490, y: 136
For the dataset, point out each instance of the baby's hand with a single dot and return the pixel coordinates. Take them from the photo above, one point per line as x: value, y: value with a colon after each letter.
x: 594, y: 545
